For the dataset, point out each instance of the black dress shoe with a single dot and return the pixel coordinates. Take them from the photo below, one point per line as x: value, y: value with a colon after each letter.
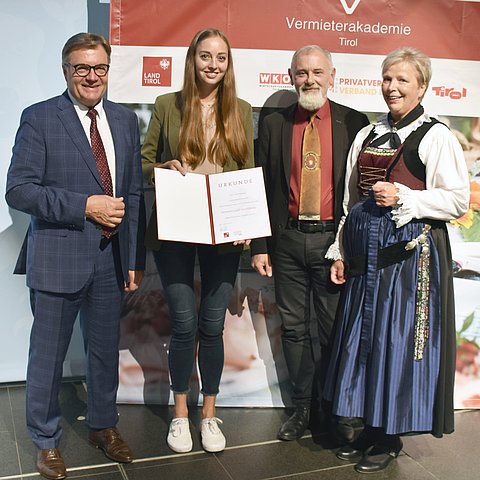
x: 296, y: 425
x: 354, y: 451
x: 350, y: 454
x: 378, y: 458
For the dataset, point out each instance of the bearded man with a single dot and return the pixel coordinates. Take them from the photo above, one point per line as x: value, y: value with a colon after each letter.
x: 303, y: 151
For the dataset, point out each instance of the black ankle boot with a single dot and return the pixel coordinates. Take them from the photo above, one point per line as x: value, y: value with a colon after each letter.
x: 296, y: 425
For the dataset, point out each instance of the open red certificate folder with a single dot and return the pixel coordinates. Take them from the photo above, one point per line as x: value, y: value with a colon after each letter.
x: 211, y: 209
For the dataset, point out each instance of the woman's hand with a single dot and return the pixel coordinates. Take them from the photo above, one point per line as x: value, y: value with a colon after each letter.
x: 337, y: 272
x: 385, y: 194
x: 173, y: 165
x: 242, y: 242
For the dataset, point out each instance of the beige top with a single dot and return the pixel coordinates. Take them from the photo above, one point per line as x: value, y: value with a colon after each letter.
x: 208, y: 120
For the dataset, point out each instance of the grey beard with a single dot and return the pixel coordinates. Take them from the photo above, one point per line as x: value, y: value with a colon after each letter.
x: 311, y: 101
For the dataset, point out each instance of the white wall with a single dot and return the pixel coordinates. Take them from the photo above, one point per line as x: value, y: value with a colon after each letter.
x: 32, y: 34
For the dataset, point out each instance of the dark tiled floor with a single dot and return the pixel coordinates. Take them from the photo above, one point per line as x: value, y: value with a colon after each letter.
x: 253, y: 453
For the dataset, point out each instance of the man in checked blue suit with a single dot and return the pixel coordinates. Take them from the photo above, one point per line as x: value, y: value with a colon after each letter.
x: 84, y: 247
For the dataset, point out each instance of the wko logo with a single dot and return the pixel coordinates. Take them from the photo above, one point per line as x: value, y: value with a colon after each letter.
x: 157, y: 72
x: 267, y: 78
x: 454, y: 94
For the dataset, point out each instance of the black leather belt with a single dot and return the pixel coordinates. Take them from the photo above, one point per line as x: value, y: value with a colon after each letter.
x: 307, y: 226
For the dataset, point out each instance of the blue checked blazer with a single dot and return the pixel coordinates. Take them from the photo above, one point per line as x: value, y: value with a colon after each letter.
x: 51, y: 175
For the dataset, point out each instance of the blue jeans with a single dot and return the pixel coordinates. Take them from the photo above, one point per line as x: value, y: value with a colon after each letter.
x: 176, y: 265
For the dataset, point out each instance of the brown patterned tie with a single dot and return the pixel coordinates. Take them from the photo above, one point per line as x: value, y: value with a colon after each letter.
x: 101, y: 160
x: 310, y: 181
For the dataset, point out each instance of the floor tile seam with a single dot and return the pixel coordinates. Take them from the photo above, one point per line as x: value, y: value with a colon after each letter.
x: 202, y: 452
x: 19, y: 476
x: 69, y: 469
x: 123, y: 472
x: 425, y: 469
x: 266, y: 442
x: 307, y: 472
x: 166, y: 457
x: 223, y: 467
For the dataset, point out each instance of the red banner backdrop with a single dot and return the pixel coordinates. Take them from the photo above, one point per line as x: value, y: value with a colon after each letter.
x: 150, y: 37
x: 441, y: 28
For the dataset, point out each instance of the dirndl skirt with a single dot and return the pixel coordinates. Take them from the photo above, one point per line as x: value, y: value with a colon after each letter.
x: 374, y: 372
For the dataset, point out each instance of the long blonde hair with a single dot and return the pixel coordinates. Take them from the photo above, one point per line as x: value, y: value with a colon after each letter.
x: 229, y: 139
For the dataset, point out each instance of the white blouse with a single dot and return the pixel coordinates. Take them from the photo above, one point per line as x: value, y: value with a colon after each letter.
x: 447, y: 182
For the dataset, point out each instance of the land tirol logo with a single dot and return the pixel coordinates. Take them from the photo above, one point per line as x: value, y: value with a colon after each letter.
x: 157, y: 72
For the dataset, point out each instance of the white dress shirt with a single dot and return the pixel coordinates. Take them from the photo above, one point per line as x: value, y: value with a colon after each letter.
x: 103, y: 129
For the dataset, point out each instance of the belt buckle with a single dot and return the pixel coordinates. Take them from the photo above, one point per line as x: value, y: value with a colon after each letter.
x: 306, y: 227
x: 322, y: 226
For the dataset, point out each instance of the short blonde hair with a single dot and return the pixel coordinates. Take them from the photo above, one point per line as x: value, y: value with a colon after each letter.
x: 414, y: 57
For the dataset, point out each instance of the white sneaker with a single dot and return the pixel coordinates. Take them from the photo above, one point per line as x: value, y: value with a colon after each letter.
x: 213, y: 439
x: 179, y: 438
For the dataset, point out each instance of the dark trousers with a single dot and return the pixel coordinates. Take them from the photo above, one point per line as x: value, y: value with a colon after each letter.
x: 302, y: 280
x: 99, y: 304
x: 176, y: 265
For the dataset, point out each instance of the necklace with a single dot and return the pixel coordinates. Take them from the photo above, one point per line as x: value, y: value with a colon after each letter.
x: 208, y: 116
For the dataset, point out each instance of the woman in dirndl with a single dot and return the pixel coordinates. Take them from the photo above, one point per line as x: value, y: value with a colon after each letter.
x: 393, y: 359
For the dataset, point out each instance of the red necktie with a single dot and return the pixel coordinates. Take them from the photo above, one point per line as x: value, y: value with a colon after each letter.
x: 101, y: 160
x: 310, y: 182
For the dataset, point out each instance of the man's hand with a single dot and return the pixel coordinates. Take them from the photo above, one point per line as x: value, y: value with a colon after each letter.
x: 105, y: 210
x: 262, y: 264
x: 337, y: 272
x: 135, y: 279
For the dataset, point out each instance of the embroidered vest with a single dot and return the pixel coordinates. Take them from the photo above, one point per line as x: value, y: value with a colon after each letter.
x: 402, y: 165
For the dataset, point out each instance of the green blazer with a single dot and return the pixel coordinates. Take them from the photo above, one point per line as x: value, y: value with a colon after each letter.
x: 161, y: 145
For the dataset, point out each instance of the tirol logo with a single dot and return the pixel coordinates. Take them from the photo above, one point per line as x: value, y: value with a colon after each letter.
x: 157, y: 72
x: 351, y: 9
x: 453, y: 93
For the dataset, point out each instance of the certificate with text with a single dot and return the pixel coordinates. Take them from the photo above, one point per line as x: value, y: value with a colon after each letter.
x: 211, y: 209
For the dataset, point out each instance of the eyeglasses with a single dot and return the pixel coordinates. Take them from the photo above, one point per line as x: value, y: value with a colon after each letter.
x: 83, y: 70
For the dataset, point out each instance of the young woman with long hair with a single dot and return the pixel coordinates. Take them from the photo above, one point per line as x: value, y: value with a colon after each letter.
x: 203, y: 129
